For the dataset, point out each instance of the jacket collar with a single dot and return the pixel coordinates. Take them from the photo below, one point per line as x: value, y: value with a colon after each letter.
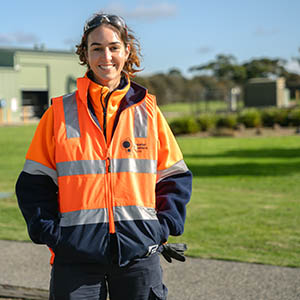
x: 83, y: 84
x: 135, y: 94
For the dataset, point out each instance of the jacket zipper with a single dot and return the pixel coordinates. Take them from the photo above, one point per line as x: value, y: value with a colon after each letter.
x: 104, y: 107
x: 108, y: 169
x: 109, y: 197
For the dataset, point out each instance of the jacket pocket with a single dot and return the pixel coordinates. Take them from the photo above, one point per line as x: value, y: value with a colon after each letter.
x: 159, y: 292
x: 83, y: 243
x: 44, y: 231
x: 158, y: 235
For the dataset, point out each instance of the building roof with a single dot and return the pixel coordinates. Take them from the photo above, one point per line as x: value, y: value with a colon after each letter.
x: 8, y: 55
x: 35, y: 50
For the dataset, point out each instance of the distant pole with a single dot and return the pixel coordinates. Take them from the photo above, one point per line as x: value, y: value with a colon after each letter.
x: 2, y: 107
x: 206, y: 100
x: 233, y: 94
x: 8, y: 115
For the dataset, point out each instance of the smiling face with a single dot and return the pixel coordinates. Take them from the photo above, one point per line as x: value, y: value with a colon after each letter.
x: 106, y: 55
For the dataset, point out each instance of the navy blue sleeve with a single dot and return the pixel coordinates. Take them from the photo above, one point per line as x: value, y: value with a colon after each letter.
x: 37, y: 199
x: 172, y: 195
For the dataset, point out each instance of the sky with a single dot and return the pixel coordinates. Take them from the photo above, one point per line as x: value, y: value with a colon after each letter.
x: 173, y: 34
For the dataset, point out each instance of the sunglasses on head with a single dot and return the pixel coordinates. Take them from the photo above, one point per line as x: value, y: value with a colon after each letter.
x: 107, y: 19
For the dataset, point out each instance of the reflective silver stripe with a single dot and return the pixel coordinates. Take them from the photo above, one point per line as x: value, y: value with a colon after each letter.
x: 80, y: 167
x: 140, y: 121
x: 83, y: 217
x: 177, y: 168
x: 133, y: 165
x: 131, y: 213
x: 35, y: 168
x: 71, y: 116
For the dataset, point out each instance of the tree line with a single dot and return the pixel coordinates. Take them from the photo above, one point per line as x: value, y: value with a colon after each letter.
x: 213, y: 80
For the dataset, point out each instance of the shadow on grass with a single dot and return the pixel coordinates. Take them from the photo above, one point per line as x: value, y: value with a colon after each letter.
x: 245, y: 169
x: 257, y: 153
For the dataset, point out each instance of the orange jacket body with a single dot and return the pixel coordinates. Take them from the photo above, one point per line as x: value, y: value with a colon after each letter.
x: 107, y: 171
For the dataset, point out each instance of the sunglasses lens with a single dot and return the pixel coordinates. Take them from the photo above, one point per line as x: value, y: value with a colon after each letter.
x: 117, y: 21
x: 112, y: 19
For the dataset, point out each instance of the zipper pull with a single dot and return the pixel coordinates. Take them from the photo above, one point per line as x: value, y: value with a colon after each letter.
x: 108, y: 165
x: 104, y: 121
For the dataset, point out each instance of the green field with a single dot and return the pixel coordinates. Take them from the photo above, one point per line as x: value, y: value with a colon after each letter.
x: 245, y: 204
x: 175, y: 110
x: 14, y: 142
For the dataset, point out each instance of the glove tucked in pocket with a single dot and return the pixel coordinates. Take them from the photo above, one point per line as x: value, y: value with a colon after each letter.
x: 175, y: 251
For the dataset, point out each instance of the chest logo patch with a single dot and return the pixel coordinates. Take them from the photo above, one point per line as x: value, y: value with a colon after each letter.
x: 127, y: 145
x: 131, y: 147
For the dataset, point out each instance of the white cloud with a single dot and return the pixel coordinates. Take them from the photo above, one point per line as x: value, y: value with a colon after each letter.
x: 144, y: 11
x: 5, y: 38
x: 263, y: 31
x: 18, y: 38
x: 71, y: 41
x: 25, y: 38
x: 292, y: 66
x: 205, y: 50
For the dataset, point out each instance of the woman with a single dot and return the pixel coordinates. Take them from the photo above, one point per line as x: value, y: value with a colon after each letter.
x: 104, y: 183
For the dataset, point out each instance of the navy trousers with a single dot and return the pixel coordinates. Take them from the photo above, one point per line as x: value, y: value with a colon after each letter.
x: 140, y: 280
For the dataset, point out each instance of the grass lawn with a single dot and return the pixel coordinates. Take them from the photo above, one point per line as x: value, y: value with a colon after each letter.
x: 245, y: 204
x: 175, y: 110
x: 14, y: 142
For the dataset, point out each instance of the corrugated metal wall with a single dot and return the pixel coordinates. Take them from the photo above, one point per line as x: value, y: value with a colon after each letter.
x: 9, y: 95
x: 54, y: 72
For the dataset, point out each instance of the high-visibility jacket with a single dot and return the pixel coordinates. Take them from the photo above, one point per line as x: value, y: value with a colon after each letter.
x: 129, y: 188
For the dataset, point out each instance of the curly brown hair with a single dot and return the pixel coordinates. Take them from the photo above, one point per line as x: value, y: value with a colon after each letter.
x: 125, y: 33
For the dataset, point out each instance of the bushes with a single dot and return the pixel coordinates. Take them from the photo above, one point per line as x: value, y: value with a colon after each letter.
x: 227, y: 121
x: 273, y: 116
x: 295, y: 117
x: 268, y: 117
x: 184, y: 125
x: 207, y: 121
x: 250, y: 118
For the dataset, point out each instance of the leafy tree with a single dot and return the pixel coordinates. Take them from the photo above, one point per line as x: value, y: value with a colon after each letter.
x: 215, y: 79
x: 292, y: 82
x: 293, y: 79
x: 297, y: 58
x: 168, y: 88
x: 175, y: 72
x: 264, y: 67
x: 225, y: 67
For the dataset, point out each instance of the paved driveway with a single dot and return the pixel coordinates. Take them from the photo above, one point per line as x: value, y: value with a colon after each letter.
x: 27, y: 265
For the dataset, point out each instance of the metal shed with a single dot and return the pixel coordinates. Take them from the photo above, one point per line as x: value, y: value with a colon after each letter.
x: 29, y: 78
x: 262, y: 92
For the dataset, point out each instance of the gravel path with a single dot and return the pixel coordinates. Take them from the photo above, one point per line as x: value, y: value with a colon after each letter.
x: 27, y: 265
